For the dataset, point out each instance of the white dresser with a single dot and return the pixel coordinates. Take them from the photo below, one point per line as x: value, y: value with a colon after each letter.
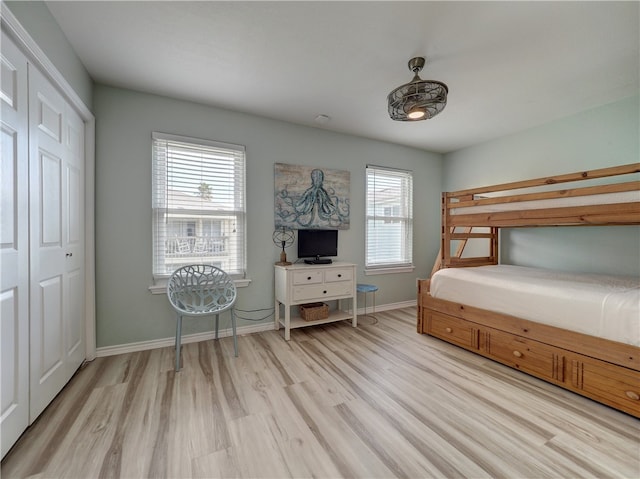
x: 306, y: 283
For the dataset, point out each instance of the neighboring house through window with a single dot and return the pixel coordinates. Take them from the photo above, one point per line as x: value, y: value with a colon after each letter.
x: 389, y: 218
x: 198, y: 204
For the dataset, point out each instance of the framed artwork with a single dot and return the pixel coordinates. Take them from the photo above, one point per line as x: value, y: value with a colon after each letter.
x: 311, y: 198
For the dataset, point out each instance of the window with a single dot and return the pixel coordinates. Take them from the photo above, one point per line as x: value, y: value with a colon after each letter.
x: 198, y: 204
x: 389, y: 210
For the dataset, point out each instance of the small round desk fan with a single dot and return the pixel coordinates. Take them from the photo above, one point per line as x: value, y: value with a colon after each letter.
x: 283, y: 238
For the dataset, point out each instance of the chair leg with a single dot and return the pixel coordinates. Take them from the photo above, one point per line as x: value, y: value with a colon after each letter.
x: 178, y: 338
x: 233, y: 328
x: 217, y: 322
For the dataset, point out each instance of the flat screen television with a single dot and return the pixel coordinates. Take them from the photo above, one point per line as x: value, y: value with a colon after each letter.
x: 317, y: 244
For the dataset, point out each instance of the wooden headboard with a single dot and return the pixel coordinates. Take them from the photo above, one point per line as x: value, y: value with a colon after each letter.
x: 479, y: 213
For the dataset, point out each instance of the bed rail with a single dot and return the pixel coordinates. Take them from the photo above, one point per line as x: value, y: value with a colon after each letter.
x: 479, y: 213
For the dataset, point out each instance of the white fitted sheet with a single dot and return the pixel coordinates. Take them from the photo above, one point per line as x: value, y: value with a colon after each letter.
x: 598, y: 305
x: 588, y: 200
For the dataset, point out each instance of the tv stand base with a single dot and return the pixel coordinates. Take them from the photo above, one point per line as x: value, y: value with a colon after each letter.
x: 318, y: 261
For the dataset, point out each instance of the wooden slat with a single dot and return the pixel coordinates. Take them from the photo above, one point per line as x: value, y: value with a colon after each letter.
x: 445, y: 244
x: 474, y: 261
x: 437, y: 264
x: 494, y: 244
x: 465, y: 236
x: 551, y: 180
x: 618, y: 213
x: 549, y: 195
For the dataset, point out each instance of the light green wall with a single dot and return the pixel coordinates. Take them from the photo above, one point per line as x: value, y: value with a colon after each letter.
x: 126, y: 310
x: 36, y: 18
x: 598, y: 138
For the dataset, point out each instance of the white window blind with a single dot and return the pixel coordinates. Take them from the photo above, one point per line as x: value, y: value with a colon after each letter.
x: 198, y: 204
x: 389, y: 210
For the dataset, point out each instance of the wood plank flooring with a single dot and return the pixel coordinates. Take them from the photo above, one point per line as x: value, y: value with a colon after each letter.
x: 375, y: 401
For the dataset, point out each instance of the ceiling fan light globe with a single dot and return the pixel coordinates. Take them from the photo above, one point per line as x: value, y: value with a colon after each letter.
x: 416, y: 114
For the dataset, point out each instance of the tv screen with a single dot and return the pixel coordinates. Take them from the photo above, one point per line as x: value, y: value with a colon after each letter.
x: 317, y: 243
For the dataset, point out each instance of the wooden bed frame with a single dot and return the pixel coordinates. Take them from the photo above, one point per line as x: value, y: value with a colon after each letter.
x: 603, y: 370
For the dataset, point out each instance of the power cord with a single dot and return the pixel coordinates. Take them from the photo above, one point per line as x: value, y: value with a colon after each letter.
x: 246, y: 318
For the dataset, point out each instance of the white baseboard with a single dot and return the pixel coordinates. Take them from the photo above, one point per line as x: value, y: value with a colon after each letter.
x: 224, y: 333
x: 186, y: 338
x: 386, y: 307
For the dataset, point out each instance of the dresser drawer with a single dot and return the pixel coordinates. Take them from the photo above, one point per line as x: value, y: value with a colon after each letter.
x: 606, y: 382
x: 453, y: 330
x: 336, y: 274
x: 318, y: 292
x: 524, y: 354
x: 307, y: 277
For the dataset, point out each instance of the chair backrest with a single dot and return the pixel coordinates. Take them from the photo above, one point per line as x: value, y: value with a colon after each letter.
x: 183, y: 246
x: 200, y: 245
x: 200, y: 289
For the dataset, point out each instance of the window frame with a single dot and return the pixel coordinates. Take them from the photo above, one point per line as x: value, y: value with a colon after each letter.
x: 161, y: 205
x: 404, y: 262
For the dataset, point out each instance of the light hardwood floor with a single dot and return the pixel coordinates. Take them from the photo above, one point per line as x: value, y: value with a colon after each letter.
x: 379, y: 400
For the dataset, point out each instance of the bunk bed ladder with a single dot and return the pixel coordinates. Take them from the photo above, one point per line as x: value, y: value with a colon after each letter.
x: 462, y: 235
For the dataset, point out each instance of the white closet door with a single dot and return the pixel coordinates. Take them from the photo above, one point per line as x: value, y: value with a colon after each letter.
x: 56, y: 178
x: 14, y: 246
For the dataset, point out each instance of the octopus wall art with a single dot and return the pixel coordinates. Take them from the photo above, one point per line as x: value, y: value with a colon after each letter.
x: 311, y: 198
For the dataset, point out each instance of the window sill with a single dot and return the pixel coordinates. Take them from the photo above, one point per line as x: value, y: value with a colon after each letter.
x: 161, y: 285
x: 390, y: 270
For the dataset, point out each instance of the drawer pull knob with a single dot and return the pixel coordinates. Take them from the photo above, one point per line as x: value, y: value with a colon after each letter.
x: 448, y: 330
x: 324, y: 292
x: 308, y: 277
x: 339, y: 276
x: 517, y: 354
x: 633, y: 395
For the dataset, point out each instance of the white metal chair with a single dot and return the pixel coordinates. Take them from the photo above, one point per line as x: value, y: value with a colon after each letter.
x: 200, y: 246
x: 183, y: 246
x: 201, y: 290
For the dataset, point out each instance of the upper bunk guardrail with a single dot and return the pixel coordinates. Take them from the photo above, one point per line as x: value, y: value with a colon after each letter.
x: 461, y: 208
x: 464, y: 211
x: 551, y: 180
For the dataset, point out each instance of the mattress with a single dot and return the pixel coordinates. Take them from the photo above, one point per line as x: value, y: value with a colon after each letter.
x: 597, y: 305
x: 587, y: 200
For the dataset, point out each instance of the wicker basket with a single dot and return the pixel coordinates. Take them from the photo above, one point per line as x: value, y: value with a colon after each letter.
x: 314, y: 311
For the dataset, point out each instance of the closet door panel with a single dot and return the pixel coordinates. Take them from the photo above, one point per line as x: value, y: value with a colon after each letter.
x: 14, y: 245
x: 9, y: 171
x: 48, y: 372
x: 48, y: 115
x: 10, y: 327
x: 73, y: 238
x: 49, y: 341
x: 74, y: 206
x: 57, y: 245
x: 75, y: 312
x: 50, y: 199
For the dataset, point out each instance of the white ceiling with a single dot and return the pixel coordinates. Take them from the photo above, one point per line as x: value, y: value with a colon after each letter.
x: 509, y: 66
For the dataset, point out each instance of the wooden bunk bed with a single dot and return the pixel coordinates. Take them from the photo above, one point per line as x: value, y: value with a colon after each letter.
x: 602, y: 369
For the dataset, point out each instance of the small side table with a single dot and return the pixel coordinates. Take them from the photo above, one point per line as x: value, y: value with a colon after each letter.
x: 367, y: 288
